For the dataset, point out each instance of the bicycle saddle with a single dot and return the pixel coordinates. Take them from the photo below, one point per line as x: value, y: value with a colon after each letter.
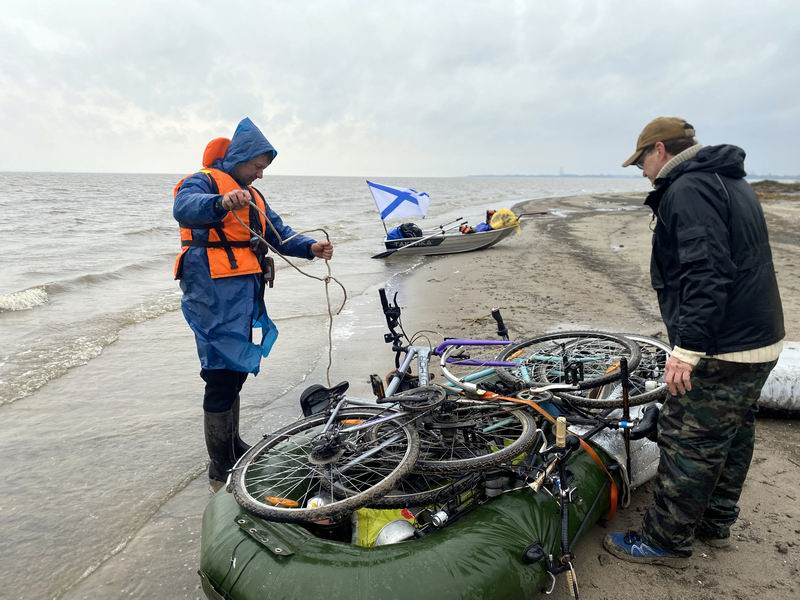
x: 316, y: 398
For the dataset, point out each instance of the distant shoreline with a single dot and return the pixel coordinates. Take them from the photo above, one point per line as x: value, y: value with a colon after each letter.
x: 752, y: 177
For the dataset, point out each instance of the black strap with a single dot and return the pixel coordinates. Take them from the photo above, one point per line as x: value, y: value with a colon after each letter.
x: 224, y: 243
x: 213, y: 183
x: 206, y: 244
x: 227, y: 246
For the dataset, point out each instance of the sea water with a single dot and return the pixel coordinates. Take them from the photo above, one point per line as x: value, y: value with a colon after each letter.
x: 100, y: 396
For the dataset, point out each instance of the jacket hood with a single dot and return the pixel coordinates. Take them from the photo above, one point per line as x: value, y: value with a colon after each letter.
x: 247, y: 143
x: 727, y: 160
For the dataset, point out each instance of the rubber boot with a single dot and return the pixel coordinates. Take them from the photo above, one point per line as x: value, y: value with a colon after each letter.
x: 220, y: 432
x: 239, y: 445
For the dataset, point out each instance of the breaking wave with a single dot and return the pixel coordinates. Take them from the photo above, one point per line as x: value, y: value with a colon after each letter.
x: 23, y: 300
x: 46, y: 358
x: 40, y: 295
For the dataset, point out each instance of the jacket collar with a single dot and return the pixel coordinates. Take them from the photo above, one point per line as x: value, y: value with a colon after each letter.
x: 679, y: 158
x: 663, y: 180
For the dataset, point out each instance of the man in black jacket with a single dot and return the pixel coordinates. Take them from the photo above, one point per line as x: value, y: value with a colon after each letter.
x: 711, y: 266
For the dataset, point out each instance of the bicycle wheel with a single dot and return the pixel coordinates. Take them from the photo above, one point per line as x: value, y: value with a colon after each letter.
x: 305, y: 472
x: 592, y: 356
x: 420, y: 489
x: 646, y: 380
x: 472, y: 436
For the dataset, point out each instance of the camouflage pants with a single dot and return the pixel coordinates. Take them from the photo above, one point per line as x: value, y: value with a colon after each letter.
x: 706, y: 439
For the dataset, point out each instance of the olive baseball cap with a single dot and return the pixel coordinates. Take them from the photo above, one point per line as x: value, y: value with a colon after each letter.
x: 660, y: 129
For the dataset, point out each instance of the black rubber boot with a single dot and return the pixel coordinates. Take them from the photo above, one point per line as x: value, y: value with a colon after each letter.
x: 220, y: 432
x: 239, y: 445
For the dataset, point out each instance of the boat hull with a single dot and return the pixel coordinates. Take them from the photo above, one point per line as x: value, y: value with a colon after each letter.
x: 448, y: 243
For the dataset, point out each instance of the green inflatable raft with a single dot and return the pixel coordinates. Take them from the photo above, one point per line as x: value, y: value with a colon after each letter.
x: 480, y: 554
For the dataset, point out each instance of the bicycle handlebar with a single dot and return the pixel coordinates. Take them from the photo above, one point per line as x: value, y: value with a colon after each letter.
x: 449, y: 342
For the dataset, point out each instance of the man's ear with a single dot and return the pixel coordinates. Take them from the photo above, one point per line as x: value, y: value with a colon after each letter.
x: 661, y: 150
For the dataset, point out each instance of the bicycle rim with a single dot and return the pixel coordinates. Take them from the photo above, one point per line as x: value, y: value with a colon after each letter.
x: 542, y: 360
x: 474, y: 436
x: 646, y: 380
x: 301, y: 473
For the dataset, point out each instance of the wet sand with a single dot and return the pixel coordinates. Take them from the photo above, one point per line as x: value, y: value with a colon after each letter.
x: 586, y: 266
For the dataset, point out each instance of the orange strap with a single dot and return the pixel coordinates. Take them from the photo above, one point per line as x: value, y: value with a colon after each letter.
x: 614, y: 492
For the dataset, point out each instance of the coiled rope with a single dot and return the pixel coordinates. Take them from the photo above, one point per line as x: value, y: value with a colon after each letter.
x: 327, y: 279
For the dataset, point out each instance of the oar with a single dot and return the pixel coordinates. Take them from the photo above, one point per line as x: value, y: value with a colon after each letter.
x: 532, y: 214
x: 427, y: 237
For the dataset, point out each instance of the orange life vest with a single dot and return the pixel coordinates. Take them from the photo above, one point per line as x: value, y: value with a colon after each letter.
x: 228, y: 246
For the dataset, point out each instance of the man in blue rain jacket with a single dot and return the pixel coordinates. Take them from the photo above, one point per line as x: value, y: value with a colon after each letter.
x: 222, y: 270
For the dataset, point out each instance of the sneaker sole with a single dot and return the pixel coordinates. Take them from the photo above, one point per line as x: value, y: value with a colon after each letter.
x: 677, y: 562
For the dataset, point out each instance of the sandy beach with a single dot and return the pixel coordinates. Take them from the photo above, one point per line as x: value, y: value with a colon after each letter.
x: 585, y: 265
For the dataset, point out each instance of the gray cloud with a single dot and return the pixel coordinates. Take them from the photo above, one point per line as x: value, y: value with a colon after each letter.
x: 392, y: 88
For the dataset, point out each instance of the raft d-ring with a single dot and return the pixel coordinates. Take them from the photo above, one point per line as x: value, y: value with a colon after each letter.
x: 552, y: 583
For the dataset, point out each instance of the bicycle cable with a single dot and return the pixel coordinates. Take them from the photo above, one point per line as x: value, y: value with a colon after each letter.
x: 326, y: 280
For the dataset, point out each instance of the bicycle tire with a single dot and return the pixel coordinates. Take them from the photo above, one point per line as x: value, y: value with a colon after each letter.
x: 473, y: 450
x: 422, y: 489
x: 272, y: 489
x: 654, y: 353
x: 547, y: 346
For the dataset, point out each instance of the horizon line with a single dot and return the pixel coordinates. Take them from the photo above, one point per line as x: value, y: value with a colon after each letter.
x: 476, y: 175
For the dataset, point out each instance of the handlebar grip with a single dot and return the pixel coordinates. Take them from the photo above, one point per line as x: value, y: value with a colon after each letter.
x: 502, y: 331
x: 384, y: 301
x: 561, y: 432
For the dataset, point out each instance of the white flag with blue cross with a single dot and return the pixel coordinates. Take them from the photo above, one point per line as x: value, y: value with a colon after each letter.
x: 395, y: 203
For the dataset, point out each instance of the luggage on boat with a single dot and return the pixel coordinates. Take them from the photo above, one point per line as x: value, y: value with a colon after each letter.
x: 378, y: 527
x: 406, y: 230
x: 504, y: 217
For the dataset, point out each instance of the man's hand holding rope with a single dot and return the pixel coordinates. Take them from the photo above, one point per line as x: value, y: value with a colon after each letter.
x: 323, y: 249
x: 236, y: 199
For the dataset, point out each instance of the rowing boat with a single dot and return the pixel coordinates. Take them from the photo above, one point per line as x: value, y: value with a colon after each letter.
x: 444, y: 243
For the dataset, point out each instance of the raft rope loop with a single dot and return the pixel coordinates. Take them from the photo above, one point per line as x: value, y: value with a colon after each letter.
x: 327, y: 279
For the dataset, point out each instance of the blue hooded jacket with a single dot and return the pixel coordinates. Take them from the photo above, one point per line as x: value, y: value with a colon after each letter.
x: 223, y: 312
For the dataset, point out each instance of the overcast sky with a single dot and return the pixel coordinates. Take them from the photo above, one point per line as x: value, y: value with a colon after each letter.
x: 377, y: 87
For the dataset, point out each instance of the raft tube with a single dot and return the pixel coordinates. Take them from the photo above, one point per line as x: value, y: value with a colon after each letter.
x: 479, y: 555
x: 781, y: 392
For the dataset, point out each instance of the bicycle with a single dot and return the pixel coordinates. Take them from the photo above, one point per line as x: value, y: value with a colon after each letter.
x: 348, y: 453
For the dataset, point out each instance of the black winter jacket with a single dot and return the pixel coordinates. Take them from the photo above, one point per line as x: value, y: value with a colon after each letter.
x: 711, y: 264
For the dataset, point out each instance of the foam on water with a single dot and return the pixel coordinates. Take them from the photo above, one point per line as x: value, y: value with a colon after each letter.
x: 23, y: 300
x: 33, y: 365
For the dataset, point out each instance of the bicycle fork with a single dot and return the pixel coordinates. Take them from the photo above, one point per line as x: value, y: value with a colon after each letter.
x: 534, y: 553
